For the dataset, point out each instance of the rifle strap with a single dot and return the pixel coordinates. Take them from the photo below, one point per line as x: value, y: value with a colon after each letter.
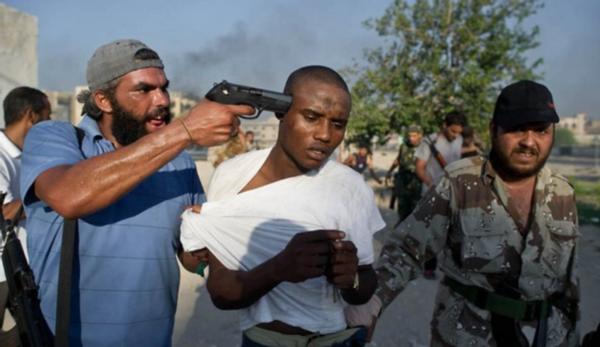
x: 435, y: 152
x: 13, y: 223
x: 65, y: 273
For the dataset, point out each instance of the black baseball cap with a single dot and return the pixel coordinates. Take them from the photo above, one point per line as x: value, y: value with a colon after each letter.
x: 524, y: 102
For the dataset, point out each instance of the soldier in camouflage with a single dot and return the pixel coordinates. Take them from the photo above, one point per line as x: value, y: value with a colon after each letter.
x: 407, y: 186
x: 506, y: 227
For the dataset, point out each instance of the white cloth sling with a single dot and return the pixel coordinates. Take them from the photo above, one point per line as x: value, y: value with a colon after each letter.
x: 244, y: 230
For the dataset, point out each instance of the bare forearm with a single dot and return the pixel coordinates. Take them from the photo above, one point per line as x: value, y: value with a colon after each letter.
x: 234, y: 290
x: 423, y: 176
x: 95, y: 183
x: 366, y: 287
x: 10, y: 210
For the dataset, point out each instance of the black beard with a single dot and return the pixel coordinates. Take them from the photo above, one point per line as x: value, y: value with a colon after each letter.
x: 501, y: 163
x: 126, y: 128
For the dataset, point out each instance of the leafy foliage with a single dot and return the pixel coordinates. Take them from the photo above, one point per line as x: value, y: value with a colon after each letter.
x: 439, y: 55
x: 564, y: 137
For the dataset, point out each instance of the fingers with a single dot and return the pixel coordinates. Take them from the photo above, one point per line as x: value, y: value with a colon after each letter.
x: 344, y: 246
x: 194, y: 208
x: 212, y: 124
x: 241, y: 109
x: 343, y: 264
x: 201, y: 254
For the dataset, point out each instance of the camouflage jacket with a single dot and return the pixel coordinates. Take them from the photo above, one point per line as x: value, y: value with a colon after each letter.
x: 406, y: 158
x: 406, y: 180
x: 468, y: 219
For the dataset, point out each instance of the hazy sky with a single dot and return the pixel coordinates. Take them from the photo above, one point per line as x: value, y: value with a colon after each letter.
x: 259, y: 42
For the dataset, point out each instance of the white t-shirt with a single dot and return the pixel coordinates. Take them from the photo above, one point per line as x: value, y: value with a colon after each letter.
x: 244, y: 230
x: 451, y: 151
x: 10, y: 175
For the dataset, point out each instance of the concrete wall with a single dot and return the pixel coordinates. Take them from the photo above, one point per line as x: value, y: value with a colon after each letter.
x: 18, y: 51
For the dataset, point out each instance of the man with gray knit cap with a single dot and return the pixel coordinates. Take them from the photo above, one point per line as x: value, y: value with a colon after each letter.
x: 126, y: 180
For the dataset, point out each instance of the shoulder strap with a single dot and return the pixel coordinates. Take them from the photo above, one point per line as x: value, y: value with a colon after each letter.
x: 80, y: 135
x: 65, y: 272
x: 65, y: 275
x: 438, y: 156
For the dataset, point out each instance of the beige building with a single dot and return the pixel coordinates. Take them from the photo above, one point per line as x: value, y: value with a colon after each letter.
x: 182, y: 102
x: 594, y: 127
x: 265, y: 131
x: 577, y: 124
x: 18, y: 51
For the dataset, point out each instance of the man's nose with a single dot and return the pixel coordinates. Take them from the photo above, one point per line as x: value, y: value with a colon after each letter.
x: 162, y: 98
x: 528, y: 139
x: 323, y: 131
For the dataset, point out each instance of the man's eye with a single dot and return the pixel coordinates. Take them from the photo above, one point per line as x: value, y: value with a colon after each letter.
x: 310, y: 117
x: 338, y: 125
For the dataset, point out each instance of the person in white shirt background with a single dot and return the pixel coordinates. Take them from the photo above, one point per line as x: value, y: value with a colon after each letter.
x: 23, y: 108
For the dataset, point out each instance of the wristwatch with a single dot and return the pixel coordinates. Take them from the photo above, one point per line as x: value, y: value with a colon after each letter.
x: 356, y: 282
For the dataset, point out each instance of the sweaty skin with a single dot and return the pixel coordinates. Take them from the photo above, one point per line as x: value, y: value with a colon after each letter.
x: 74, y: 191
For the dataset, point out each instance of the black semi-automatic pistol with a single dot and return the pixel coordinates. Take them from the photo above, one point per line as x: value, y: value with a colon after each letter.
x: 262, y: 100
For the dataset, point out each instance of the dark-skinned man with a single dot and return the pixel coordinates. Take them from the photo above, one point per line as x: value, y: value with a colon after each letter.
x: 23, y: 108
x: 289, y: 230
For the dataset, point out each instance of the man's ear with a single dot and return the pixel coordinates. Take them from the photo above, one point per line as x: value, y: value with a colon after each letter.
x: 31, y: 117
x: 102, y: 101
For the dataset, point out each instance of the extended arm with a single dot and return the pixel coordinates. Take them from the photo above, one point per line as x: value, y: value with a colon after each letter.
x: 421, y: 172
x: 418, y: 238
x: 395, y: 164
x: 95, y: 183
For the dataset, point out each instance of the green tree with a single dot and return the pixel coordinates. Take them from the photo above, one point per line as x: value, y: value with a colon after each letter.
x: 439, y: 55
x: 564, y: 137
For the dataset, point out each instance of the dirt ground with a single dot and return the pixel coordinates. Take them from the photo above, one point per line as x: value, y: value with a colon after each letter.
x: 406, y: 321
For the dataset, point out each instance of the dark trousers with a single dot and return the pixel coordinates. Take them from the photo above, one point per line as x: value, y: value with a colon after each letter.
x: 356, y: 340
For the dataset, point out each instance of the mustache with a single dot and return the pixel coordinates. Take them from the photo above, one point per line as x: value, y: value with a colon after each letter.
x: 526, y: 150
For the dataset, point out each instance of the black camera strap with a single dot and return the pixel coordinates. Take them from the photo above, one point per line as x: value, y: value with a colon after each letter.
x: 65, y: 276
x: 65, y: 272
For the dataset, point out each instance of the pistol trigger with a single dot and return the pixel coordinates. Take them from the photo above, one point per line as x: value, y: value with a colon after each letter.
x: 259, y: 109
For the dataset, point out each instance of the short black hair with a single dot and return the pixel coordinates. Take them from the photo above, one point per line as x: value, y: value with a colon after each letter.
x: 313, y: 73
x: 249, y: 132
x: 21, y: 99
x: 455, y: 117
